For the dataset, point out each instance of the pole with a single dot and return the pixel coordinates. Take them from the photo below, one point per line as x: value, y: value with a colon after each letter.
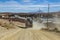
x: 39, y: 13
x: 47, y: 15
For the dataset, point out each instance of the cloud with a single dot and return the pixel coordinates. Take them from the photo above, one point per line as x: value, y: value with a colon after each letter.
x: 14, y: 6
x: 55, y: 5
x: 17, y: 5
x: 26, y: 0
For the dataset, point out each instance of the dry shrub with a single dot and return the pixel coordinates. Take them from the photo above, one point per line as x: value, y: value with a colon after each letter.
x: 50, y: 24
x: 6, y: 24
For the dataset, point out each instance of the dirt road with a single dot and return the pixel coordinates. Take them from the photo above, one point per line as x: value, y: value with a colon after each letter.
x: 30, y: 34
x: 27, y: 34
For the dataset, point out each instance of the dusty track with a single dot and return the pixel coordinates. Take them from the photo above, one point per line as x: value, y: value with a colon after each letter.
x: 27, y: 34
x: 31, y: 34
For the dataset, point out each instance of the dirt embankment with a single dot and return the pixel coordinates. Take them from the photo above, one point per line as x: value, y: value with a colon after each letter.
x: 10, y: 24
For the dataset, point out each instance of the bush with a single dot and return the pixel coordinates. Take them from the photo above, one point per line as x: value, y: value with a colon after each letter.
x: 7, y: 25
x: 50, y: 24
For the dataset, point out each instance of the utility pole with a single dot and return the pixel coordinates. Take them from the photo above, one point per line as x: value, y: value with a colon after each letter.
x: 39, y: 12
x: 48, y: 14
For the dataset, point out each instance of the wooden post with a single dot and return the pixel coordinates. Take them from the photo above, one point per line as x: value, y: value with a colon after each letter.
x: 47, y: 15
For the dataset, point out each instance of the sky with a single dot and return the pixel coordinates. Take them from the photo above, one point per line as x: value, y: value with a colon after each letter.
x: 29, y: 5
